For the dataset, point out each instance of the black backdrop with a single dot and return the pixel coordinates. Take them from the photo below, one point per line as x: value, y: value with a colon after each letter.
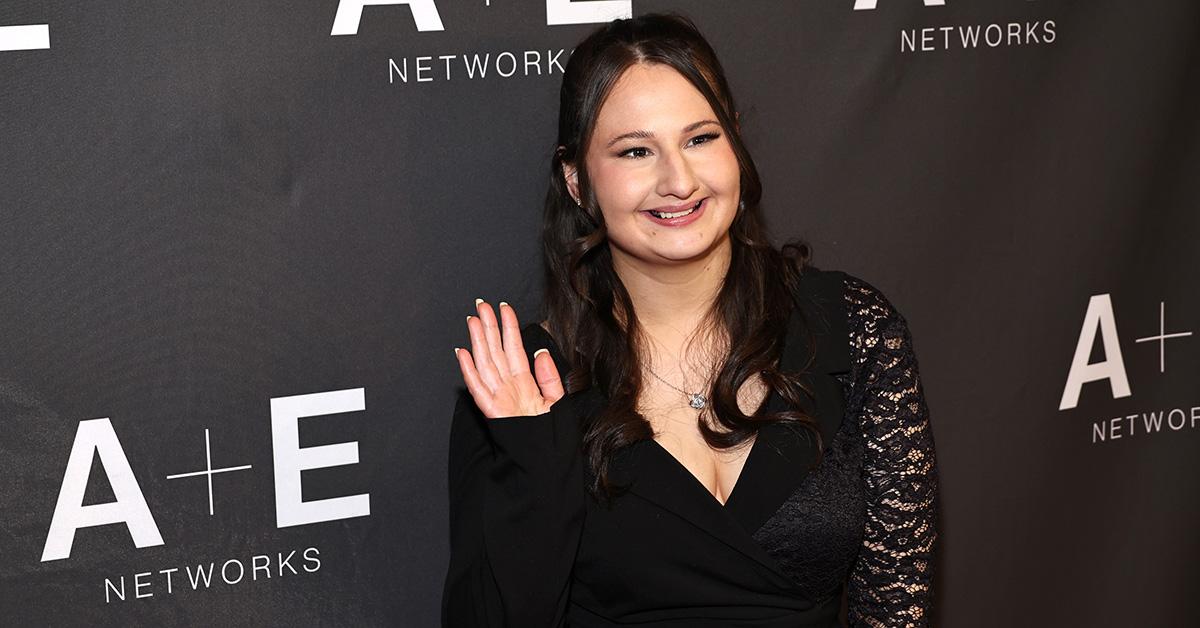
x: 207, y: 207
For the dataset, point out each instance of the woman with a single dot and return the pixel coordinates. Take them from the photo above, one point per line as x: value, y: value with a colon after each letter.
x: 710, y: 432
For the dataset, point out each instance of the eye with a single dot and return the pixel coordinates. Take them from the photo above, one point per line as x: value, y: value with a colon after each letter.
x: 641, y: 150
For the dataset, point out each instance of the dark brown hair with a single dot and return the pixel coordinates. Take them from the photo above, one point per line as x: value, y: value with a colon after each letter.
x: 585, y: 300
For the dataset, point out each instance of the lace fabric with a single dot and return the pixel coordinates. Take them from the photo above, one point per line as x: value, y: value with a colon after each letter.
x: 890, y: 584
x: 866, y: 514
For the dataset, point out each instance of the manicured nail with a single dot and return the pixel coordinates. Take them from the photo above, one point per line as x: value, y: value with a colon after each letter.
x: 478, y: 301
x: 502, y: 304
x: 535, y: 353
x: 456, y: 352
x: 469, y: 317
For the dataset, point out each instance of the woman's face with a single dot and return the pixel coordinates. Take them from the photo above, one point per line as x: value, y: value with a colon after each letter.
x: 658, y: 146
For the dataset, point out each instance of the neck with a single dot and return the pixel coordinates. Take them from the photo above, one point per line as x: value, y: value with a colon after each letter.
x: 671, y: 300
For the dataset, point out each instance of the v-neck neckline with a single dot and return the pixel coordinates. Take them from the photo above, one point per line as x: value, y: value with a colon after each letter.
x: 747, y: 466
x: 696, y: 481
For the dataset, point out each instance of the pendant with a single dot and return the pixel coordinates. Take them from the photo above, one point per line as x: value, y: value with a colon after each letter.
x: 697, y: 401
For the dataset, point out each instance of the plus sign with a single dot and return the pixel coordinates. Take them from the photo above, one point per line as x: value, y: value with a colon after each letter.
x: 208, y: 470
x: 1162, y: 337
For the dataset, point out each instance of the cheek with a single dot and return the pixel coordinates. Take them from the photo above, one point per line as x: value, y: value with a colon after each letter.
x: 720, y: 174
x: 619, y: 187
x: 731, y: 174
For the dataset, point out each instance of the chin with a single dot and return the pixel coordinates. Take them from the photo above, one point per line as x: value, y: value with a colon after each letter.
x: 689, y: 252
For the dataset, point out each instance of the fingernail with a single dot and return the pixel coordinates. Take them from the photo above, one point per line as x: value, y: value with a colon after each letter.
x: 478, y: 301
x: 469, y: 317
x: 535, y: 353
x: 502, y: 304
x: 456, y: 352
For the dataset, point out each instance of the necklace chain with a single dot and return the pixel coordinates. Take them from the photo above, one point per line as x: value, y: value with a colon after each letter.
x: 695, y: 399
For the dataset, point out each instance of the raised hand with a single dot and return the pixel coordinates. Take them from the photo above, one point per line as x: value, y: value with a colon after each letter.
x: 496, y: 370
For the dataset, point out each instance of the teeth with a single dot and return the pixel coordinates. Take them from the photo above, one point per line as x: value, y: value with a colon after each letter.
x: 677, y: 214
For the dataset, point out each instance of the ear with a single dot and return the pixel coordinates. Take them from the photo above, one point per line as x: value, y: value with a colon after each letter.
x: 571, y: 177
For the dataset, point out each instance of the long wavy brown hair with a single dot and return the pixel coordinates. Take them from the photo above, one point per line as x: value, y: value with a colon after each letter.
x: 585, y: 301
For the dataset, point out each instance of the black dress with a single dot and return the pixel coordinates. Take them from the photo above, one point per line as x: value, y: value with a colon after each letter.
x: 530, y: 548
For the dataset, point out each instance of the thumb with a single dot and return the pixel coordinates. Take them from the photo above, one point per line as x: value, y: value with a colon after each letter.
x: 546, y: 374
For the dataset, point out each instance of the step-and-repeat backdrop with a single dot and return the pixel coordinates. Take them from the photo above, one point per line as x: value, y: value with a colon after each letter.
x: 238, y: 242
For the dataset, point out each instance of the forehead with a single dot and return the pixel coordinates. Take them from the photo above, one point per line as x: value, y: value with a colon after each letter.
x: 652, y: 97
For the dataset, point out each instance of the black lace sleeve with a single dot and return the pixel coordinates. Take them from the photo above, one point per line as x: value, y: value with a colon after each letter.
x: 890, y: 580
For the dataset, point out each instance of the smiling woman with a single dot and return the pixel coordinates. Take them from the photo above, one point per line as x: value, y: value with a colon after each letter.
x: 736, y: 438
x: 677, y: 169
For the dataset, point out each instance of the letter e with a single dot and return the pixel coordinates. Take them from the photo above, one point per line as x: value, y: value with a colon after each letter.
x: 559, y: 12
x: 291, y: 459
x: 869, y: 5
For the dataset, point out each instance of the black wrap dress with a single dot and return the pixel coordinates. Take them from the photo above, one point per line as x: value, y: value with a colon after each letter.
x: 531, y: 549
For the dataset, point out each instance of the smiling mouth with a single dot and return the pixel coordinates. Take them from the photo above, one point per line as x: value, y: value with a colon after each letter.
x: 668, y: 215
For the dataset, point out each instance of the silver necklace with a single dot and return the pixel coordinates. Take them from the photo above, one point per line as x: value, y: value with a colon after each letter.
x: 695, y: 399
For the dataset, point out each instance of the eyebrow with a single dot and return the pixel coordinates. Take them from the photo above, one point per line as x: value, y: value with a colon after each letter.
x: 639, y: 134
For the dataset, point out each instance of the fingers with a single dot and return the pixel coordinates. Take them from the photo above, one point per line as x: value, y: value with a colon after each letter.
x: 497, y: 371
x: 481, y: 356
x: 514, y: 347
x: 547, y: 376
x: 491, y: 334
x: 479, y: 391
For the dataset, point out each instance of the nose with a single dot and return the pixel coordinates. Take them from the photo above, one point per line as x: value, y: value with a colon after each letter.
x: 676, y: 177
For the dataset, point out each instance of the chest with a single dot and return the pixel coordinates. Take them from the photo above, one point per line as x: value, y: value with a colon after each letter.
x: 675, y: 425
x: 785, y: 539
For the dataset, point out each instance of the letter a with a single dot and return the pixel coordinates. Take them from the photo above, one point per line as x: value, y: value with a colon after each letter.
x: 349, y: 14
x: 70, y: 514
x: 1100, y: 318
